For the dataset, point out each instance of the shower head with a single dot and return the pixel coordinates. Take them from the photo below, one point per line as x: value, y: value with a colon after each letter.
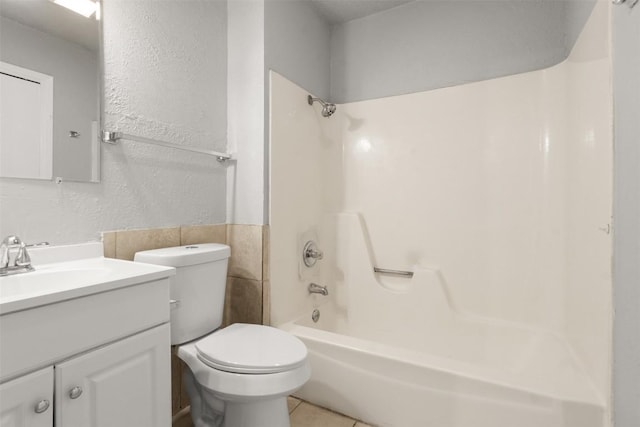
x: 327, y: 108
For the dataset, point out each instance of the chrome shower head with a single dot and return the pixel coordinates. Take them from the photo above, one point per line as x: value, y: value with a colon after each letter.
x: 327, y: 108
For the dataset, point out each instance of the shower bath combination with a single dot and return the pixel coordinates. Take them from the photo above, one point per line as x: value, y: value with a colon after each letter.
x: 327, y: 108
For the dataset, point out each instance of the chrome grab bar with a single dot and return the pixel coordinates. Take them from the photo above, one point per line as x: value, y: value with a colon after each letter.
x: 114, y: 137
x: 407, y: 274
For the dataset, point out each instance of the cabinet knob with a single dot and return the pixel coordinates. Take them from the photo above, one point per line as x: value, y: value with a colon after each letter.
x: 75, y: 392
x: 42, y: 406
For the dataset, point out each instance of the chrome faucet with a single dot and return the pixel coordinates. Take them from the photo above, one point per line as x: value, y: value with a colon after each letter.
x: 22, y: 260
x: 314, y: 288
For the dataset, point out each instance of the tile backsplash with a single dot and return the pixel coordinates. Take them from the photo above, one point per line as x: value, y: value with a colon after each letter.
x: 246, y: 300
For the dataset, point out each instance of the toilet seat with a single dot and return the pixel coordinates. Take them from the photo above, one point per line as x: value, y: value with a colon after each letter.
x: 251, y: 349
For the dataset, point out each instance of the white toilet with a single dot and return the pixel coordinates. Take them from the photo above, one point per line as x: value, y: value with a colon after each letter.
x: 239, y: 376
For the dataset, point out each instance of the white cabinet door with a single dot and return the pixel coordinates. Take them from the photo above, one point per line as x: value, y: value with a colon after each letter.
x: 126, y: 383
x: 27, y: 401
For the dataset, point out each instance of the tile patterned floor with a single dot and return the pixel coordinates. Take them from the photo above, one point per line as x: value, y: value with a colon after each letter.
x: 303, y: 414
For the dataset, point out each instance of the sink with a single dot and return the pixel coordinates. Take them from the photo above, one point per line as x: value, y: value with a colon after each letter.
x: 66, y: 272
x: 44, y: 280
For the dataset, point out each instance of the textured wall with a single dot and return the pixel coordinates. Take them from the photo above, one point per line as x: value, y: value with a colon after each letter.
x: 75, y: 90
x: 626, y: 67
x: 165, y: 77
x: 424, y: 45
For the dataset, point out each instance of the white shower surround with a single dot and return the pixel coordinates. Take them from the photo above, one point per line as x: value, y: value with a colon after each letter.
x: 502, y: 186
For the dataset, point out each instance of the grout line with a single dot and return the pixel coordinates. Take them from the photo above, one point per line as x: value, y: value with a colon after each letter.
x: 297, y: 406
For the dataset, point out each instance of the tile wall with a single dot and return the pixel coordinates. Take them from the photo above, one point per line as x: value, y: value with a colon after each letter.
x: 247, y: 295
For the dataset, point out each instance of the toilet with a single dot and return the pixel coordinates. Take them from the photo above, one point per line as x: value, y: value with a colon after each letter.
x: 238, y: 376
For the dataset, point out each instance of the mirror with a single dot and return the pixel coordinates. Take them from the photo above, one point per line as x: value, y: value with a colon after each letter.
x: 50, y: 84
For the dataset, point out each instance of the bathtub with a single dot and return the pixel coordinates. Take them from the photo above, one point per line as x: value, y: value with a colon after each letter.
x: 400, y: 352
x: 490, y: 375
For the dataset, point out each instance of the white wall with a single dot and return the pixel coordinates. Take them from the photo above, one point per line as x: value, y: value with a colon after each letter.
x: 297, y: 44
x: 246, y: 110
x: 626, y: 69
x: 427, y: 44
x: 165, y: 77
x: 306, y: 184
x: 588, y: 192
x: 74, y: 69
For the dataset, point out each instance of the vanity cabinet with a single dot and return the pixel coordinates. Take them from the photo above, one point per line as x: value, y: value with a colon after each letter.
x: 86, y: 343
x: 27, y: 401
x: 122, y: 384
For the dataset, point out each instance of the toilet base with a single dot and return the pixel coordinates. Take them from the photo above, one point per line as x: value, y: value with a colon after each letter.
x: 262, y: 413
x: 208, y: 410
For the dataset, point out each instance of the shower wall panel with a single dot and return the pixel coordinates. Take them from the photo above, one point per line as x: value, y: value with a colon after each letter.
x: 504, y: 186
x: 306, y: 184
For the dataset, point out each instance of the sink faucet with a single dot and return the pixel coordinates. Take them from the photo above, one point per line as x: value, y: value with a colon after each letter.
x: 22, y: 261
x: 314, y: 288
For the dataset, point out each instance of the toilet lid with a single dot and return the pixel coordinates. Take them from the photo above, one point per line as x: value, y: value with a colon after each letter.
x: 251, y: 349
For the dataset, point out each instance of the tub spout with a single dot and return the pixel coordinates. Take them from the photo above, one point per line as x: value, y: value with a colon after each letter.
x: 314, y: 288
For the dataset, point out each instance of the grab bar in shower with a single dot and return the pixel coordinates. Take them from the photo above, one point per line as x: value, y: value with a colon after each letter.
x: 407, y: 274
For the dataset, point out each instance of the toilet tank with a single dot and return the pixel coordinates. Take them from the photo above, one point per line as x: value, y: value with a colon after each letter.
x: 197, y: 290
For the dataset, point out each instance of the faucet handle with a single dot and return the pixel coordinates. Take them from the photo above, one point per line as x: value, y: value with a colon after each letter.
x: 7, y: 243
x: 311, y: 253
x: 23, y: 259
x: 11, y: 240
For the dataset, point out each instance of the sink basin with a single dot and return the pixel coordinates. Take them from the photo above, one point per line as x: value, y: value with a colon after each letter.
x: 44, y: 279
x: 67, y: 272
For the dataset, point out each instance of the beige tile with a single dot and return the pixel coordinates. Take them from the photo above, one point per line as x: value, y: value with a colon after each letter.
x: 265, y: 253
x: 109, y: 244
x: 194, y: 234
x: 243, y: 301
x: 266, y: 302
x: 182, y: 419
x: 292, y: 403
x: 361, y: 424
x: 226, y: 312
x: 128, y: 242
x: 306, y: 415
x: 246, y: 251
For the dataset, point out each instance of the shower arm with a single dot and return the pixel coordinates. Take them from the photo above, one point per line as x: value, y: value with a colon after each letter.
x: 311, y: 100
x: 629, y: 3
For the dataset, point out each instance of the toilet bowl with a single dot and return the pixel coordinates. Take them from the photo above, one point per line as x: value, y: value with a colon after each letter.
x: 246, y: 383
x: 238, y: 376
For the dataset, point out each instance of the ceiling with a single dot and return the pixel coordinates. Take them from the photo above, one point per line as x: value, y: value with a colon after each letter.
x: 50, y: 18
x: 60, y: 22
x: 339, y: 11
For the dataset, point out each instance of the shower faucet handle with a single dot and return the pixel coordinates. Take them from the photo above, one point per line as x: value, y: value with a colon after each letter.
x: 311, y: 253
